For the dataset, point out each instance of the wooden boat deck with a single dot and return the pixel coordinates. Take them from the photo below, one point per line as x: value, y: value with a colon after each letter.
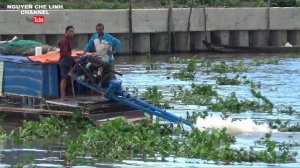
x: 96, y: 108
x: 77, y: 101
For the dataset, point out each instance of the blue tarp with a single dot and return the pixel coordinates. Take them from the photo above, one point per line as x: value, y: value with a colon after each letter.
x: 16, y: 59
x: 30, y: 79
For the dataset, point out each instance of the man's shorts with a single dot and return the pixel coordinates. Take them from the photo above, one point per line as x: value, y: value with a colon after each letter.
x: 64, y: 70
x: 65, y: 65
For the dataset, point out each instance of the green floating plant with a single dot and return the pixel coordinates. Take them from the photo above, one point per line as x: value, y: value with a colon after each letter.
x: 152, y: 67
x: 222, y: 67
x: 284, y: 126
x: 271, y: 155
x: 155, y: 97
x: 259, y: 62
x: 46, y: 127
x: 189, y: 72
x: 118, y: 140
x: 184, y: 75
x: 233, y: 104
x: 199, y: 94
x: 228, y: 81
x: 177, y: 60
x: 225, y: 68
x: 237, y: 80
x: 3, y: 135
x: 25, y: 163
x: 193, y: 117
x: 286, y: 110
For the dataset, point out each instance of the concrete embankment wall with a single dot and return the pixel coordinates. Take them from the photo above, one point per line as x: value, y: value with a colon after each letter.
x: 229, y: 26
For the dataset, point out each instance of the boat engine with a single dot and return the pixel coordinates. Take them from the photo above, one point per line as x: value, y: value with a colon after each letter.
x: 94, y: 72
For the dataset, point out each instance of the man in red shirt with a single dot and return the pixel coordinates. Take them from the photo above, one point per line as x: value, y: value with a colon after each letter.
x: 66, y: 61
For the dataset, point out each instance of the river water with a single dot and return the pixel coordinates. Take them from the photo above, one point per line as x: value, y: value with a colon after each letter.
x: 279, y: 83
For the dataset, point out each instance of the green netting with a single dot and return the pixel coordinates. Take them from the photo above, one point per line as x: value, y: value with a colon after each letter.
x: 18, y: 47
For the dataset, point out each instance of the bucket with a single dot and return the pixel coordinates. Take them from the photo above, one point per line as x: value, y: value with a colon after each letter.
x: 38, y: 51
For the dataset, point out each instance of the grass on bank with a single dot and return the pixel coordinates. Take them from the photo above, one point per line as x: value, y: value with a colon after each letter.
x: 123, y: 4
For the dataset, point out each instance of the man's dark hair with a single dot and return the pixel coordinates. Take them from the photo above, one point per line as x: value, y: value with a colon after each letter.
x: 99, y: 24
x: 69, y: 27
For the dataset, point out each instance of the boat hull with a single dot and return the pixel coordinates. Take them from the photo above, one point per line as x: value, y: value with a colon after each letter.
x: 242, y: 49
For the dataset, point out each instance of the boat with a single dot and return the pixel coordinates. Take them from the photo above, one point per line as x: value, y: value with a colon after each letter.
x: 244, y: 49
x: 29, y: 87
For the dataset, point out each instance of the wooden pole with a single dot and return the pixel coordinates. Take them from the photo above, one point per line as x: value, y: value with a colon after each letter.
x: 170, y: 26
x: 72, y: 85
x: 268, y: 23
x: 205, y: 19
x: 189, y: 25
x: 130, y: 26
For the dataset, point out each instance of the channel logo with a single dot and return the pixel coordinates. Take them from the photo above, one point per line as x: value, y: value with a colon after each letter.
x: 38, y: 19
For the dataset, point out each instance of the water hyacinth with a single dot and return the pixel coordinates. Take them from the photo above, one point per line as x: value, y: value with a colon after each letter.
x: 120, y: 140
